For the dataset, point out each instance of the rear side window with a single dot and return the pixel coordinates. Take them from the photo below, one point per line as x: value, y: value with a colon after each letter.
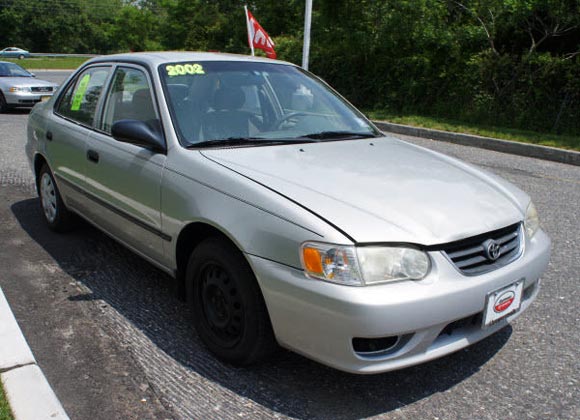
x: 79, y: 102
x: 129, y: 98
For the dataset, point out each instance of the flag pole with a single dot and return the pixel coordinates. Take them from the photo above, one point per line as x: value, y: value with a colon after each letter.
x: 248, y: 25
x: 307, y: 24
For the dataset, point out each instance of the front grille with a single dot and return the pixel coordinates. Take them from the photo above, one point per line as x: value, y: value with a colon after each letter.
x: 472, y: 256
x: 41, y: 89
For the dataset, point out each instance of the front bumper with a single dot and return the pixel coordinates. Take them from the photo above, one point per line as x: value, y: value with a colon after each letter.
x: 25, y: 99
x: 431, y: 317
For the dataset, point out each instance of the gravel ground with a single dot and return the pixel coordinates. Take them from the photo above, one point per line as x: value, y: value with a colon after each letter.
x: 115, y: 343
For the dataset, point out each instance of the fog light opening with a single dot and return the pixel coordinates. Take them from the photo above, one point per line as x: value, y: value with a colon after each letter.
x: 374, y: 346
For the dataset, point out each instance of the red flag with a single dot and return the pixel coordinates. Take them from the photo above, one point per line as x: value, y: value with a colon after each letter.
x: 258, y: 37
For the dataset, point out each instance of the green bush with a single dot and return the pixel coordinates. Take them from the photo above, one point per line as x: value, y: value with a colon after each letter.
x: 509, y: 62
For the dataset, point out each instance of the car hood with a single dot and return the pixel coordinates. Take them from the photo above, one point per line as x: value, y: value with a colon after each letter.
x: 382, y: 190
x: 25, y: 81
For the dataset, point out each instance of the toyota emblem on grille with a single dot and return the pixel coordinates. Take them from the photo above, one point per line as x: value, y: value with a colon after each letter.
x: 492, y: 249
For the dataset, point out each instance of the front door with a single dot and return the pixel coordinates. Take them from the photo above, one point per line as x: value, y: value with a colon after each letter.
x: 125, y: 179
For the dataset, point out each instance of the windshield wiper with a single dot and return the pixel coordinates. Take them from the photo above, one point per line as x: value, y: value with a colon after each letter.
x: 242, y: 141
x: 328, y: 135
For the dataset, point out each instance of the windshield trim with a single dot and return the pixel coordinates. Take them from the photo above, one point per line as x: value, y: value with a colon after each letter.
x: 247, y: 142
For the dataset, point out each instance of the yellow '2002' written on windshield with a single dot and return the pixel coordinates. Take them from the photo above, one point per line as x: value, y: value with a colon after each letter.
x: 183, y: 69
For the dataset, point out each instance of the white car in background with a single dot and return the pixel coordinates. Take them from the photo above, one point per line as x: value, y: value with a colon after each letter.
x: 20, y: 88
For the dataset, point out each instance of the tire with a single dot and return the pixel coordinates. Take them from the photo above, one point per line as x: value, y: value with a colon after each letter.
x: 3, y: 104
x: 230, y: 314
x: 57, y: 216
x: 21, y: 56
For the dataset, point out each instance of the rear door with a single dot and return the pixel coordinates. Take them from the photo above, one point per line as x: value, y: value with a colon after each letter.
x: 67, y: 132
x: 125, y: 179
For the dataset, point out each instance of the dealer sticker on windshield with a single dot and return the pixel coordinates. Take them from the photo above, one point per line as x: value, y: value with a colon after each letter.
x: 503, y: 303
x: 183, y: 69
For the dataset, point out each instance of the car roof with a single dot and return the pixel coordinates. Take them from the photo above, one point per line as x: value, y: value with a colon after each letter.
x: 155, y: 58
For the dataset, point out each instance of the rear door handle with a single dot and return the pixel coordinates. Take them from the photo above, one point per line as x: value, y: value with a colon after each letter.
x: 49, y: 135
x: 93, y: 156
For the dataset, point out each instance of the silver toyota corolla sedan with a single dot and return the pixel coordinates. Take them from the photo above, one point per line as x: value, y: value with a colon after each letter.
x: 283, y: 213
x: 20, y: 88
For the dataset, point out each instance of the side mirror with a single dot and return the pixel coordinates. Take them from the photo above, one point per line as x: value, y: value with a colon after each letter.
x: 140, y: 133
x: 33, y: 75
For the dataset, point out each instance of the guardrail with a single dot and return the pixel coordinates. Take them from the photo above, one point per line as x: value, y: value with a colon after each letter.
x: 62, y: 55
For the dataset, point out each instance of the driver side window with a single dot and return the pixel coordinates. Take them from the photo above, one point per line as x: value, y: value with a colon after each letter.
x: 129, y: 98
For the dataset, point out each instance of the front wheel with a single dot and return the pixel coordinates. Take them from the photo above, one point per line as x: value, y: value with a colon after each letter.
x: 230, y: 314
x: 21, y: 56
x: 55, y: 212
x: 3, y: 104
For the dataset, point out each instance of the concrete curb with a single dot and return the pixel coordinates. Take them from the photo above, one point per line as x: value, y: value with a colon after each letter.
x: 515, y: 148
x: 27, y: 390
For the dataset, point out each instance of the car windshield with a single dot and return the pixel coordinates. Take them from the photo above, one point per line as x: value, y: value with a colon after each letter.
x: 241, y: 103
x: 13, y: 70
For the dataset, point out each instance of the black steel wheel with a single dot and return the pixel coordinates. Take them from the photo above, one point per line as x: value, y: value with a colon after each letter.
x: 3, y: 104
x: 221, y: 304
x: 230, y: 315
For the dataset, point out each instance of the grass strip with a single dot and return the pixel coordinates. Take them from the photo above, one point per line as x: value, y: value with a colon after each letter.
x: 61, y: 63
x: 522, y: 136
x: 5, y: 413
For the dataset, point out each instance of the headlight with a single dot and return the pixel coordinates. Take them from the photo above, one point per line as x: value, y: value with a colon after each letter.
x: 15, y: 89
x: 363, y: 265
x: 381, y: 264
x: 532, y: 222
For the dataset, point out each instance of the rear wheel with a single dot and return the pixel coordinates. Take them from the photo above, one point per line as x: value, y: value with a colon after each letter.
x: 21, y: 56
x: 55, y: 212
x: 230, y: 314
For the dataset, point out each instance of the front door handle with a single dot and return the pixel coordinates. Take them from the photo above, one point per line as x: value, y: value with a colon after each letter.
x: 93, y: 156
x: 49, y: 135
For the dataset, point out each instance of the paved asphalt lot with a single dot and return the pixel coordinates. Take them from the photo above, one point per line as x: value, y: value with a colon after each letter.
x: 116, y: 344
